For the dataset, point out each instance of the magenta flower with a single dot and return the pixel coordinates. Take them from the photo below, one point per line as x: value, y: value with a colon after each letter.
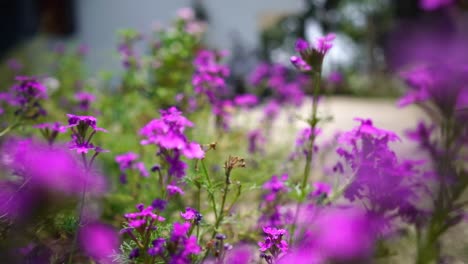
x: 174, y: 189
x: 300, y: 64
x: 324, y: 44
x: 273, y: 242
x: 271, y: 110
x: 321, y: 188
x: 100, y: 242
x: 43, y: 172
x: 168, y: 133
x: 26, y: 96
x: 311, y: 56
x: 50, y: 131
x: 430, y: 5
x: 246, y: 100
x: 84, y: 100
x: 179, y: 231
x: 126, y: 160
x: 84, y: 122
x: 301, y: 45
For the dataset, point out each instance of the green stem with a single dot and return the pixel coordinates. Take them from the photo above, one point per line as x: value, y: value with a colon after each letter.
x: 80, y: 211
x: 316, y: 78
x: 9, y: 128
x: 210, y: 194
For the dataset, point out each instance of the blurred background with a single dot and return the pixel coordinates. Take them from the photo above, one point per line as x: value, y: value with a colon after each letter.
x: 372, y: 35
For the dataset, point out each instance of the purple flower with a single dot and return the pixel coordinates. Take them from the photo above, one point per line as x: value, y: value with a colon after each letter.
x: 430, y: 5
x: 84, y: 122
x: 343, y: 235
x: 168, y: 133
x: 300, y: 64
x: 174, y: 189
x: 256, y: 141
x: 324, y: 44
x: 84, y: 100
x: 100, y: 242
x: 52, y: 168
x: 335, y: 77
x: 246, y: 100
x: 379, y: 179
x: 50, y: 131
x: 301, y: 45
x: 26, y: 95
x: 192, y: 215
x: 158, y: 247
x: 179, y: 231
x: 126, y: 160
x: 15, y: 65
x: 273, y: 242
x: 189, y: 214
x: 311, y: 56
x: 186, y: 14
x: 82, y: 50
x: 239, y: 255
x: 159, y: 204
x: 321, y: 188
x: 140, y: 166
x: 276, y: 184
x: 271, y: 110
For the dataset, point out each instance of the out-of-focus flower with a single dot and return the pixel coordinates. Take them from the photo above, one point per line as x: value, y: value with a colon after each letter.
x: 26, y: 96
x: 246, y: 100
x: 84, y: 100
x: 321, y: 188
x: 434, y: 4
x: 44, y: 170
x: 15, y: 65
x: 256, y: 141
x: 342, y: 235
x: 174, y: 189
x: 50, y: 131
x: 100, y: 242
x: 378, y: 178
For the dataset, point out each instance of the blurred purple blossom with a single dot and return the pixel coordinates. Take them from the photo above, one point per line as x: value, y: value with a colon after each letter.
x: 100, y: 242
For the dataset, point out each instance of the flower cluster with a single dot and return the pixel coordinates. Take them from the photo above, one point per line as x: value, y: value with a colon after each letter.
x: 273, y: 244
x: 430, y: 5
x: 42, y: 170
x: 335, y: 235
x: 209, y: 79
x: 273, y: 213
x: 50, y: 131
x: 26, y: 97
x: 311, y: 56
x: 83, y: 129
x: 84, y: 100
x: 256, y: 141
x: 378, y: 178
x: 126, y: 49
x: 128, y: 161
x: 167, y: 133
x: 442, y: 85
x: 191, y: 215
x: 286, y: 89
x: 99, y: 241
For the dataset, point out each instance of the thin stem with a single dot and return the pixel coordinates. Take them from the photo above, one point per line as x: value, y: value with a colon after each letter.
x: 7, y: 129
x: 80, y: 211
x: 210, y: 194
x: 309, y: 152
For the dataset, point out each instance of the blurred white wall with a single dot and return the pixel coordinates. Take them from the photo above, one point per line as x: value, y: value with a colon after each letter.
x: 100, y: 19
